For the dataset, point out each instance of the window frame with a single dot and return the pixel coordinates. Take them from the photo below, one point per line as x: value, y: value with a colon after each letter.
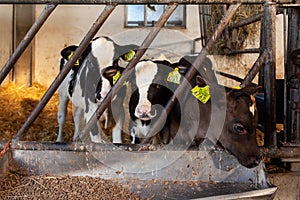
x: 144, y: 23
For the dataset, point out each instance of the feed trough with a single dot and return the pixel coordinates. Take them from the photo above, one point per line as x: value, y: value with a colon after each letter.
x: 150, y: 171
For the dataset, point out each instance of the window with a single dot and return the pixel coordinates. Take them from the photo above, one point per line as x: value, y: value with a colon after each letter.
x: 147, y: 15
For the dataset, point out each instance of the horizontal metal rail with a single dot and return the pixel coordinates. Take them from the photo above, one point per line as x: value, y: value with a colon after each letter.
x: 282, y: 152
x: 93, y: 2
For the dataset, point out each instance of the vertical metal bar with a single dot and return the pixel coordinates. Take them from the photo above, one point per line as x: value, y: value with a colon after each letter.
x: 192, y: 71
x: 285, y: 100
x: 262, y: 49
x: 60, y: 77
x: 141, y: 51
x: 26, y: 41
x: 254, y: 70
x: 269, y: 75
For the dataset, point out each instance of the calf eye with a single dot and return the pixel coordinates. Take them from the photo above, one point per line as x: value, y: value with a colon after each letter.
x: 239, y: 128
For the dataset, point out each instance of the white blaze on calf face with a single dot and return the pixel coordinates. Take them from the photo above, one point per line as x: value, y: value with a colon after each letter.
x: 145, y: 74
x: 103, y: 50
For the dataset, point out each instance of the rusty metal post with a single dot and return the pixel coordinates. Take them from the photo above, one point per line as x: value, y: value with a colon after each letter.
x: 26, y: 40
x: 141, y: 51
x: 196, y: 66
x: 269, y: 74
x: 60, y: 77
x: 254, y: 70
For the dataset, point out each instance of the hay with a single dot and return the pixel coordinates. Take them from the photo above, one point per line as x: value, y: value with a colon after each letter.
x: 237, y: 36
x: 17, y: 102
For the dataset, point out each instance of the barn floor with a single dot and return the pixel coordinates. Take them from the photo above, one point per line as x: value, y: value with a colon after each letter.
x: 17, y: 103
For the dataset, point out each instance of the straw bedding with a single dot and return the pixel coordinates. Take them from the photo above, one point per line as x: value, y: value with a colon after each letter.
x: 17, y: 102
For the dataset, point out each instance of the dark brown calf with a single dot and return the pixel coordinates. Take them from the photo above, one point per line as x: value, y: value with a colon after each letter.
x: 231, y: 120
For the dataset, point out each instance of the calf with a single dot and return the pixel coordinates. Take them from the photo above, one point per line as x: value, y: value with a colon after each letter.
x: 114, y: 114
x: 198, y: 119
x: 150, y: 93
x: 80, y: 85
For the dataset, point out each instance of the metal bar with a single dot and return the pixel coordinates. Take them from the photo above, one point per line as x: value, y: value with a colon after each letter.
x: 282, y: 152
x: 285, y: 102
x: 26, y: 40
x: 196, y: 66
x: 141, y: 51
x: 254, y: 18
x: 233, y: 77
x: 60, y: 77
x: 139, y: 1
x: 254, y: 50
x: 269, y: 75
x: 254, y: 70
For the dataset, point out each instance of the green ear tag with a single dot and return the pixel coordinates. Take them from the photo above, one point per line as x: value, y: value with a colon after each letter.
x: 201, y: 93
x: 174, y: 76
x: 69, y: 57
x: 129, y: 55
x: 116, y: 77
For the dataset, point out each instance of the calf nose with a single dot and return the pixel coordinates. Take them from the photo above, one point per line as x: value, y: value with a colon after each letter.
x: 143, y: 110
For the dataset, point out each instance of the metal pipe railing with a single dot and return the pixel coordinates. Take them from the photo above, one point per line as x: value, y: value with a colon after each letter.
x: 283, y: 152
x: 60, y: 77
x: 254, y: 18
x: 192, y: 71
x: 140, y: 52
x: 269, y: 74
x: 49, y: 8
x: 140, y: 1
x: 254, y: 70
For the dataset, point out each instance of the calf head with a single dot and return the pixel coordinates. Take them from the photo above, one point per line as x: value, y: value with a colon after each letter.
x: 150, y: 89
x: 238, y: 135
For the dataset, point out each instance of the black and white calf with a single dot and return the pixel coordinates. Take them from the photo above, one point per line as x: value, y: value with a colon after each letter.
x: 80, y: 85
x: 114, y: 114
x: 150, y: 93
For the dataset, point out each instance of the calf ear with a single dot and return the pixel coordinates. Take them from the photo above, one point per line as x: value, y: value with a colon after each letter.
x: 111, y: 72
x: 247, y: 91
x: 68, y: 51
x: 200, y: 81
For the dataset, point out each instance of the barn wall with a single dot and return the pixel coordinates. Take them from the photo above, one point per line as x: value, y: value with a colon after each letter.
x: 6, y: 34
x: 69, y: 23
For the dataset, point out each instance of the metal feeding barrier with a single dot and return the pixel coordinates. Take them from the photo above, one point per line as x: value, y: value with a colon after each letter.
x: 216, y: 172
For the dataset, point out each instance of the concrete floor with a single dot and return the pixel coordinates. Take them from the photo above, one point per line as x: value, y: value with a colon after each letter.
x: 288, y: 184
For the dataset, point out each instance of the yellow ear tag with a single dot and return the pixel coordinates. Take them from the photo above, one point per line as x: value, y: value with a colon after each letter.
x: 69, y: 57
x: 116, y: 77
x: 174, y: 76
x: 237, y: 87
x: 128, y: 56
x: 201, y: 93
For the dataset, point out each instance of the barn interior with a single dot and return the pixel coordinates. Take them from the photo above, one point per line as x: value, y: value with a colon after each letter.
x: 258, y: 45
